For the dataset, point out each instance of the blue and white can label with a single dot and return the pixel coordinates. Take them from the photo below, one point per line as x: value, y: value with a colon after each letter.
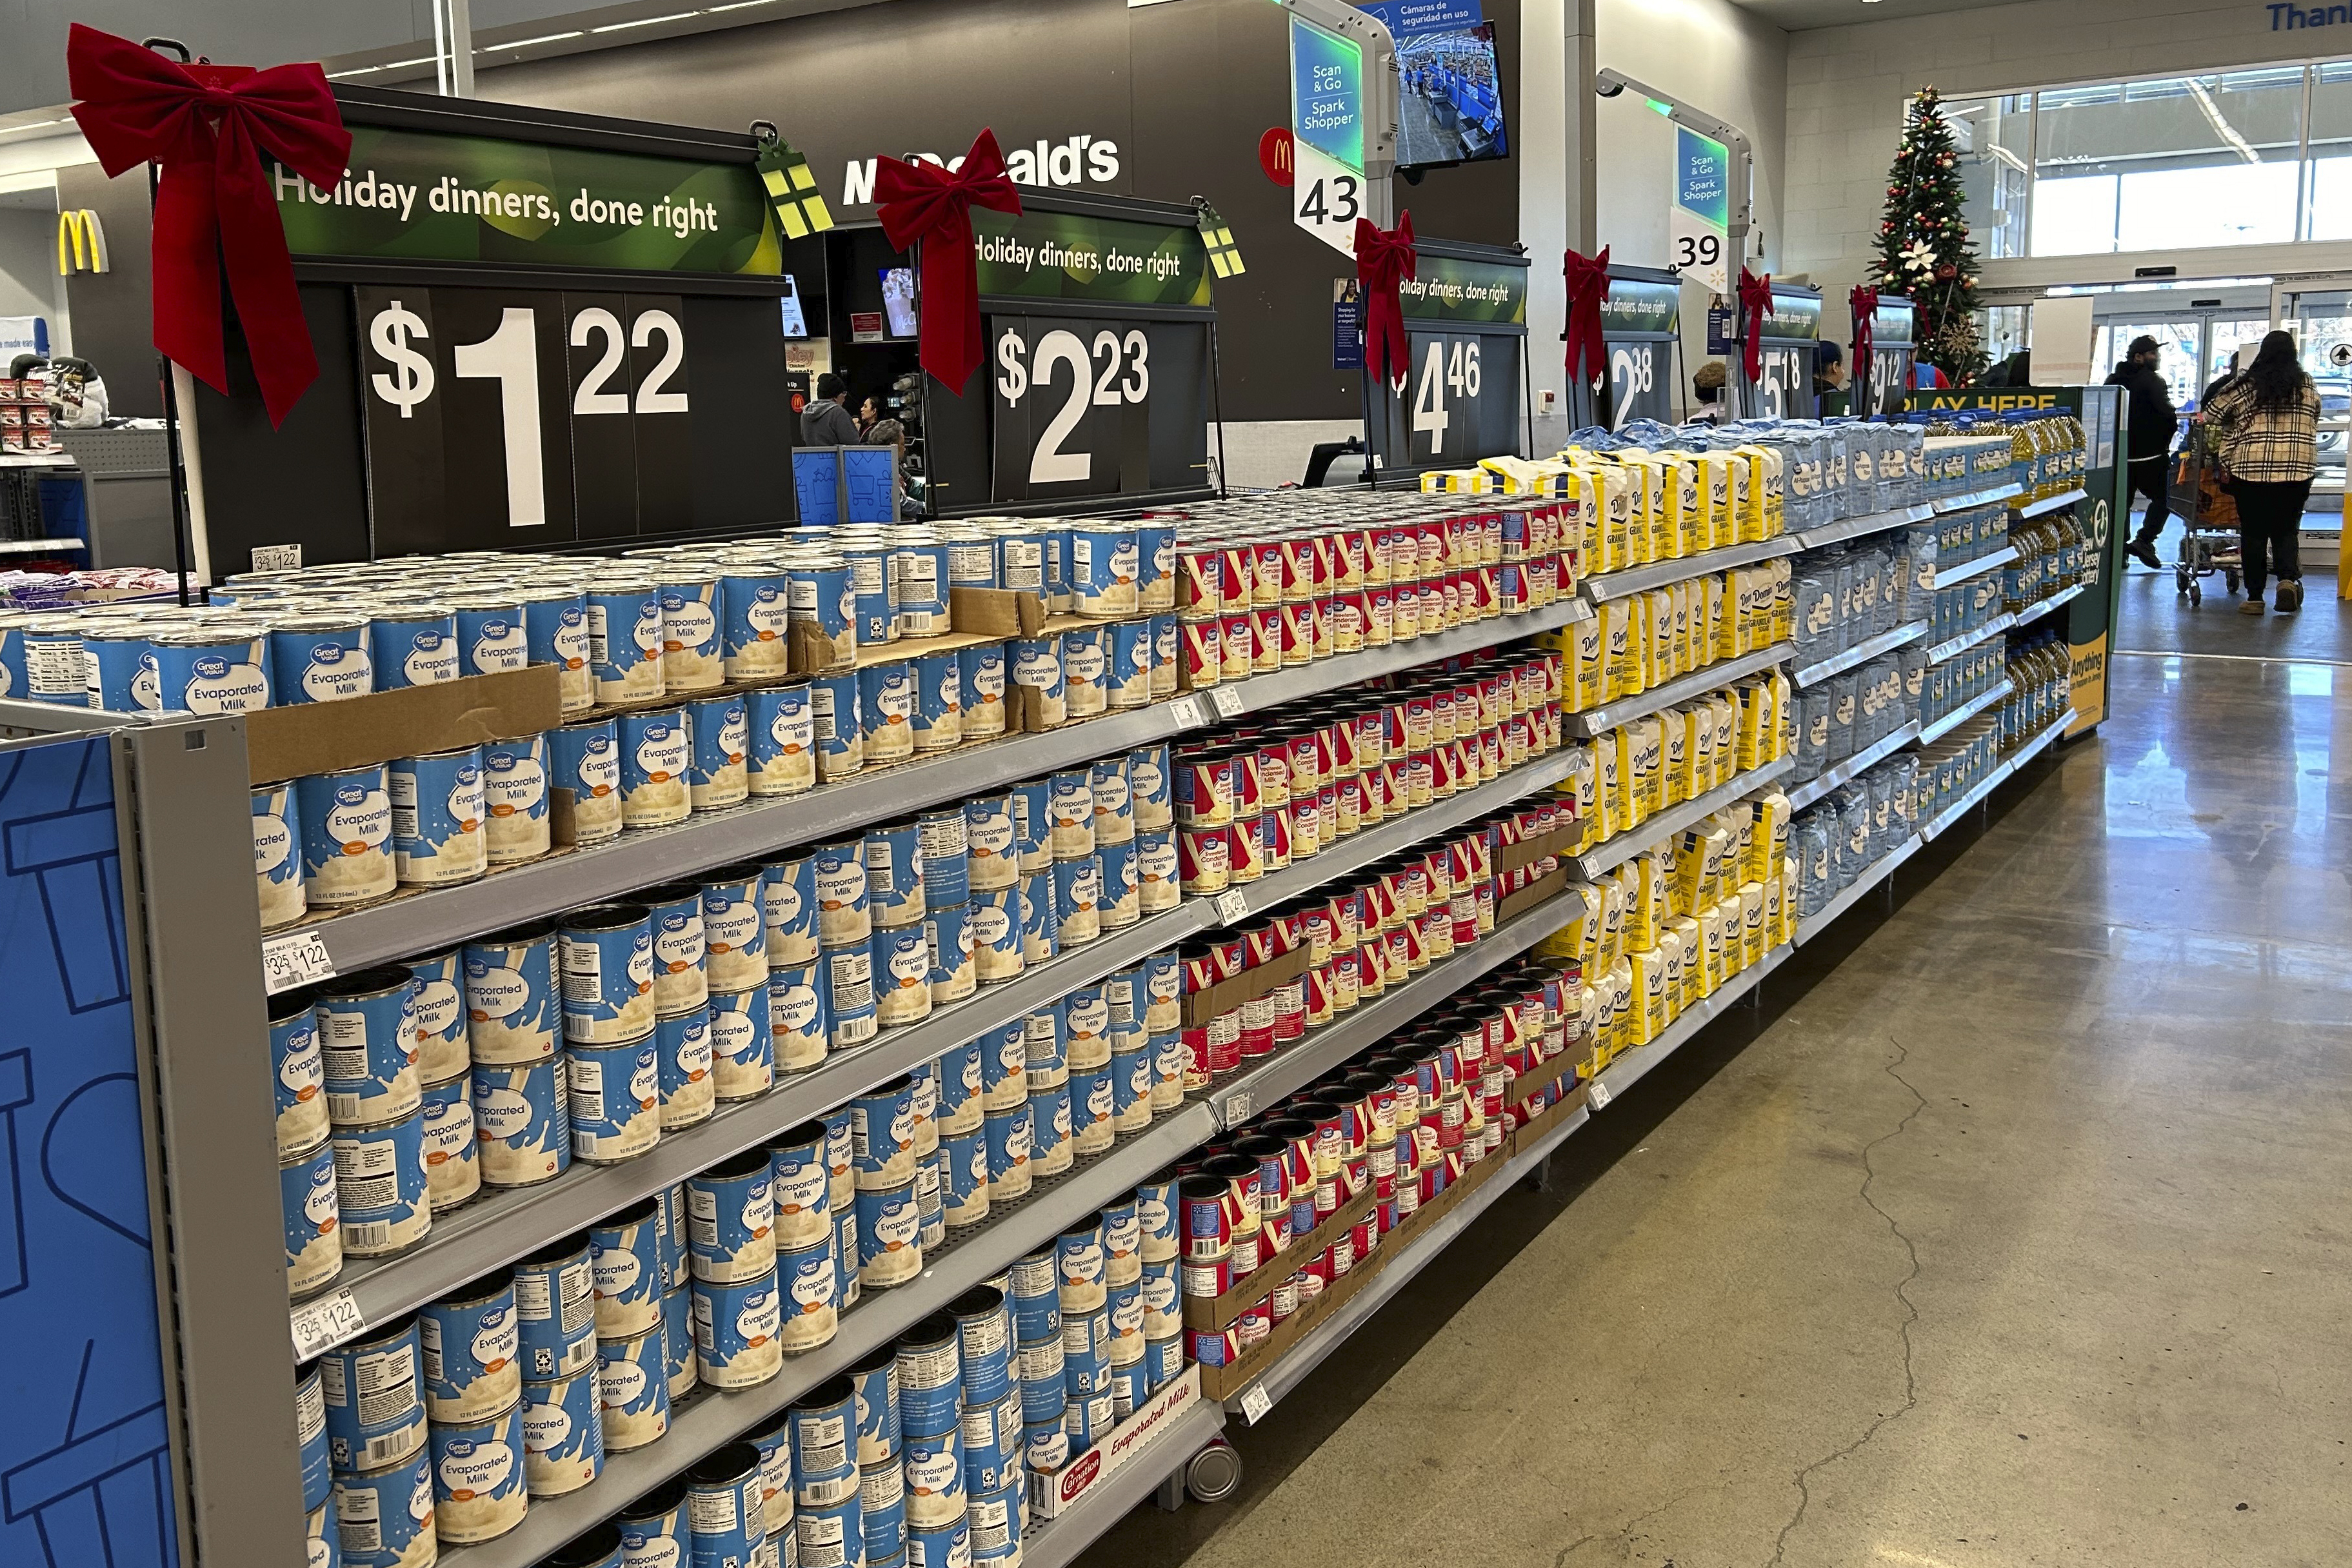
x: 443, y: 1050
x: 980, y: 680
x: 991, y: 851
x: 984, y: 1342
x: 824, y: 1446
x: 735, y: 928
x: 555, y: 630
x: 491, y: 638
x: 1086, y: 1030
x: 1155, y: 565
x: 809, y: 1278
x: 1077, y: 898
x: 895, y: 877
x: 726, y: 1511
x: 918, y: 576
x: 890, y: 1235
x: 367, y: 1037
x: 945, y: 865
x: 1131, y: 1386
x: 1124, y: 1304
x: 1104, y: 570
x: 840, y: 730
x: 1130, y: 679
x: 692, y: 660
x: 1078, y: 1269
x: 775, y: 1442
x: 655, y: 1537
x: 1041, y: 926
x: 1164, y: 983
x: 633, y: 1388
x: 782, y: 732
x: 523, y: 1124
x: 1147, y: 786
x: 735, y: 1328
x: 310, y: 1437
x: 1011, y: 1146
x: 385, y: 1516
x: 477, y: 1477
x: 562, y: 1433
x: 934, y: 1478
x: 307, y: 1198
x: 875, y: 1384
x: 938, y: 702
x: 801, y: 1189
x: 843, y: 902
x: 886, y: 707
x: 1034, y: 1283
x: 319, y: 659
x: 346, y: 823
x: 471, y: 1346
x: 375, y: 1411
x: 1005, y: 1066
x: 514, y: 792
x: 1086, y: 1352
x: 1089, y: 1417
x: 958, y: 1074
x: 119, y: 669
x: 1044, y: 1391
x: 717, y: 772
x: 624, y: 641
x: 1122, y: 883
x: 743, y: 1043
x: 1113, y: 799
x: 963, y: 1161
x: 624, y: 1260
x: 209, y: 672
x: 798, y: 1018
x: 411, y: 648
x: 849, y: 996
x: 555, y: 1298
x: 1047, y: 1447
x: 1044, y: 1036
x: 608, y: 954
x: 1155, y: 1219
x: 656, y: 751
x: 678, y: 1340
x: 437, y: 813
x: 869, y: 580
x: 1163, y: 657
x: 1037, y: 665
x: 945, y: 1545
x: 757, y: 611
x: 991, y: 1444
x: 683, y: 1048
x: 824, y: 593
x: 298, y: 1076
x: 682, y: 948
x: 949, y: 943
x: 1131, y: 1073
x: 513, y: 1005
x: 1163, y: 1360
x: 830, y: 1535
x: 587, y: 759
x: 789, y: 890
x: 993, y: 1520
x: 730, y: 1220
x: 929, y: 1391
x: 1032, y: 824
x: 882, y: 1501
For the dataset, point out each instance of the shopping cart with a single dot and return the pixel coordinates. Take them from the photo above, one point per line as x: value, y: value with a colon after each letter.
x: 2209, y: 520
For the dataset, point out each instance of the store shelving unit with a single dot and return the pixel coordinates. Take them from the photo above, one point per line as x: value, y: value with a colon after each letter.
x: 1966, y: 569
x: 1977, y: 499
x: 1682, y: 689
x: 2009, y: 765
x: 1811, y: 925
x: 1812, y: 789
x: 403, y: 927
x: 1861, y: 652
x: 1659, y: 573
x: 2051, y: 502
x: 1855, y: 527
x: 1633, y: 1065
x: 1968, y: 639
x: 1292, y: 1367
x: 1058, y: 1542
x: 1618, y: 848
x: 2041, y: 607
x: 1936, y: 728
x: 41, y: 547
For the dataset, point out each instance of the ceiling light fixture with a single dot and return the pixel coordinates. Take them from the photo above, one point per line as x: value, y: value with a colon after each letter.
x: 527, y: 43
x: 736, y: 5
x: 645, y: 22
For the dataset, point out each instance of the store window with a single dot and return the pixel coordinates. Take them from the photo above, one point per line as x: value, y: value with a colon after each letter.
x: 2171, y: 162
x: 2327, y: 198
x: 1995, y: 139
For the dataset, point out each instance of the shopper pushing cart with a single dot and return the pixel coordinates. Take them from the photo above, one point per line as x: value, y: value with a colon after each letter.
x: 2269, y: 424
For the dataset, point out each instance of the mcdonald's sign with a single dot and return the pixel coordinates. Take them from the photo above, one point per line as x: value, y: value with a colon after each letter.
x: 81, y: 243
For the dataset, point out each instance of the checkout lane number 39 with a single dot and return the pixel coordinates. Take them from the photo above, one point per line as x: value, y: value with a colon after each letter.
x: 1111, y: 371
x: 509, y: 356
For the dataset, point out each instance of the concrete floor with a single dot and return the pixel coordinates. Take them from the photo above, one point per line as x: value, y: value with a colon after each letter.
x: 2155, y: 616
x: 2010, y: 1230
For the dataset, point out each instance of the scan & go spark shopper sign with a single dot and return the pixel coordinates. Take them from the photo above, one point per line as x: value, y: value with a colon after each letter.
x: 1326, y: 123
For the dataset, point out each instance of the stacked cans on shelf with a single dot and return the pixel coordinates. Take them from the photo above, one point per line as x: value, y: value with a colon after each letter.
x: 1400, y: 1121
x: 1096, y: 1324
x: 1263, y: 585
x: 1252, y: 800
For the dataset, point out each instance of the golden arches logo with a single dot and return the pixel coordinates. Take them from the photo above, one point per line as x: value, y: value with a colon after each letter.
x: 81, y: 243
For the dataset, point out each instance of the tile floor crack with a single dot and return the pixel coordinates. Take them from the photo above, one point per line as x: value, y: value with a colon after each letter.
x: 1901, y: 1293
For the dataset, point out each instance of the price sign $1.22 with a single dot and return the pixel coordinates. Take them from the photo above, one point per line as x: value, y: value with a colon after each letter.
x: 1064, y: 393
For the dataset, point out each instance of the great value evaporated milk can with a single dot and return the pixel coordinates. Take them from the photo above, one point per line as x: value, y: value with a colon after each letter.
x: 310, y: 1436
x: 742, y: 1044
x: 555, y: 1304
x: 607, y: 952
x: 624, y: 638
x: 491, y: 635
x: 734, y: 927
x: 586, y: 757
x: 120, y: 670
x: 367, y: 1037
x: 469, y: 1344
x: 717, y: 773
x: 946, y: 1545
x: 1165, y: 645
x: 948, y: 934
x: 656, y: 751
x: 453, y: 1169
x: 297, y: 1072
x: 808, y: 1279
x: 632, y: 1389
x: 790, y: 890
x: 730, y: 1220
x: 1040, y: 925
x: 688, y: 1089
x: 1010, y: 1136
x: 306, y: 1193
x: 840, y: 732
x: 413, y: 644
x: 889, y: 1238
x: 1122, y: 885
x: 437, y: 812
x: 654, y: 1530
x: 782, y: 734
x: 211, y: 670
x: 512, y: 1001
x: 614, y: 1100
x: 1085, y: 671
x: 277, y: 855
x: 384, y: 1515
x: 321, y: 657
x: 980, y: 680
x: 938, y: 702
x: 562, y: 1433
x: 844, y: 910
x: 681, y: 948
x: 798, y: 1020
x: 346, y: 825
x: 735, y: 1330
x: 514, y: 795
x: 677, y: 1340
x: 440, y: 1016
x: 522, y: 1127
x: 849, y: 1001
x: 692, y: 659
x: 756, y: 611
x: 1129, y: 681
x: 375, y: 1409
x: 995, y: 929
x: 886, y: 708
x: 1037, y: 670
x: 555, y: 631
x: 882, y: 1509
x: 965, y: 1163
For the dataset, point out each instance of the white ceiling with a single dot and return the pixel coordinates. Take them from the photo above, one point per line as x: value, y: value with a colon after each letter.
x: 1796, y: 15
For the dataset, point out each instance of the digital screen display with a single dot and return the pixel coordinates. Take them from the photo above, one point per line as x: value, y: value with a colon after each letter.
x: 899, y: 300
x: 795, y: 320
x: 1450, y: 84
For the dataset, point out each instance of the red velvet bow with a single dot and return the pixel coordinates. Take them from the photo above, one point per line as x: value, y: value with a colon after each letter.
x: 1863, y: 301
x: 1755, y: 305
x: 1384, y: 259
x: 206, y: 128
x: 923, y: 201
x: 1588, y: 280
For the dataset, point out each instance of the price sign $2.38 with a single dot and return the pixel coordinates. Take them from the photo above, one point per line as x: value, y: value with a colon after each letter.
x: 1050, y: 382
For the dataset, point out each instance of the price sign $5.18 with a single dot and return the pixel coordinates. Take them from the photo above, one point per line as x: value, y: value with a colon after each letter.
x: 1072, y: 372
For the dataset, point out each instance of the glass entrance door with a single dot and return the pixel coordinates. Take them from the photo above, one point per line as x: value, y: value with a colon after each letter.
x: 2321, y: 320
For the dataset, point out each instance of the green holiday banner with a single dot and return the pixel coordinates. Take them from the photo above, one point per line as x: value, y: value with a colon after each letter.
x: 1795, y: 318
x: 422, y: 196
x: 1890, y: 324
x: 1639, y: 305
x: 1037, y: 255
x: 1452, y: 288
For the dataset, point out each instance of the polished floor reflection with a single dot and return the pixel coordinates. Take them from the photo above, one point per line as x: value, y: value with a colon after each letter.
x: 2011, y: 1230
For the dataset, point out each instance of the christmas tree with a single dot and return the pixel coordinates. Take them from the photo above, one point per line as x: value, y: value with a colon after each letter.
x: 1923, y: 244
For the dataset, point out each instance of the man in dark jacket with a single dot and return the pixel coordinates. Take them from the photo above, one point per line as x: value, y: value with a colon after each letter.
x: 825, y: 422
x: 2153, y: 425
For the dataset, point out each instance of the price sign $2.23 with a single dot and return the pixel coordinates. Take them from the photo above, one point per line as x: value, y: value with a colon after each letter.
x: 1062, y: 389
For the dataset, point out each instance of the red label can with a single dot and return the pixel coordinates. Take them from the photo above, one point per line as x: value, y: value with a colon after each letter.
x: 1295, y: 632
x: 1266, y: 633
x: 1200, y: 653
x: 1203, y: 788
x: 1266, y: 573
x: 1199, y: 580
x: 1297, y: 568
x: 1236, y: 645
x: 1204, y: 858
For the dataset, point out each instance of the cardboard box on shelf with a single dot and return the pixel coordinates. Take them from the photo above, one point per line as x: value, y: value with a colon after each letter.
x: 1218, y: 1312
x: 1248, y: 985
x: 305, y: 738
x: 1051, y: 1496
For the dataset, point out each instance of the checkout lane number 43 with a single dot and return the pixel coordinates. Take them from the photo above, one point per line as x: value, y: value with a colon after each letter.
x: 1113, y: 368
x: 509, y: 356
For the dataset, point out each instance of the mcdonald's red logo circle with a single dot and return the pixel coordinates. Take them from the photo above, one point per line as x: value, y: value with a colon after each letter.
x: 1274, y: 155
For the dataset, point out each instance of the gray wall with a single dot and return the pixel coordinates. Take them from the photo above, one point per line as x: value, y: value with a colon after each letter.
x: 28, y: 263
x: 113, y: 312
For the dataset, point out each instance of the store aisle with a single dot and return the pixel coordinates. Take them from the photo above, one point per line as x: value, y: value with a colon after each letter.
x: 2014, y: 1236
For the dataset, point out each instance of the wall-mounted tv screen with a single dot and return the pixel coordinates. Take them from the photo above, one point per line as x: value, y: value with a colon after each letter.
x: 1451, y: 85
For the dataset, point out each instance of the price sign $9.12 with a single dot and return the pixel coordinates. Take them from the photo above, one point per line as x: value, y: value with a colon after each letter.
x: 1088, y: 407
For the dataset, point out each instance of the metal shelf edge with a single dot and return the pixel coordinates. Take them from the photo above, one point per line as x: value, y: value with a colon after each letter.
x: 2041, y: 607
x: 1812, y: 789
x: 1935, y: 731
x: 1638, y: 1061
x: 1812, y: 926
x: 1618, y: 848
x: 1856, y: 528
x: 713, y: 1418
x: 2051, y: 503
x: 1976, y: 567
x: 1968, y: 639
x: 1978, y: 498
x: 1861, y: 652
x: 1603, y: 585
x: 1640, y: 704
x: 1055, y: 1542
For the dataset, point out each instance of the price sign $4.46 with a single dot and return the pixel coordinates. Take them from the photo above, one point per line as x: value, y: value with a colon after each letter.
x: 1108, y: 368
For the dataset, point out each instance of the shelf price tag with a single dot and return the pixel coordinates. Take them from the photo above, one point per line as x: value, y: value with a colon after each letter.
x: 1600, y: 1095
x: 294, y: 958
x: 1186, y: 712
x: 1238, y: 1108
x: 329, y: 1321
x: 1232, y: 907
x: 1255, y: 1403
x: 1228, y: 700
